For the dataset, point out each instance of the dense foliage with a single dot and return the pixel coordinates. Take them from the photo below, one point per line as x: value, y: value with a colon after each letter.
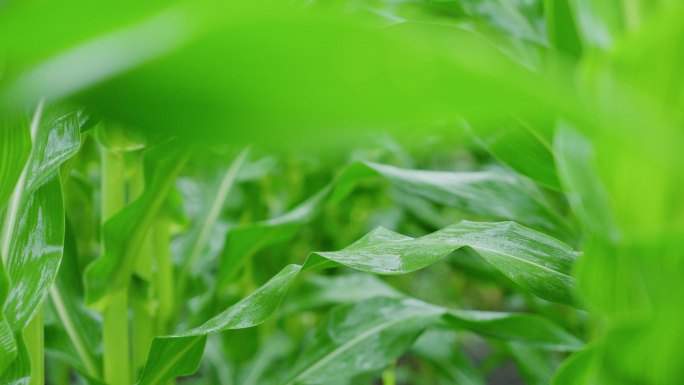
x: 342, y: 192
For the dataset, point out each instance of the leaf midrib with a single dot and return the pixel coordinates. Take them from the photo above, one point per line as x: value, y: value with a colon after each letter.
x: 348, y: 345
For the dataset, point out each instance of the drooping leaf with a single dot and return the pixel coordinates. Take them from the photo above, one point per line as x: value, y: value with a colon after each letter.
x: 180, y: 354
x: 490, y: 194
x: 536, y: 262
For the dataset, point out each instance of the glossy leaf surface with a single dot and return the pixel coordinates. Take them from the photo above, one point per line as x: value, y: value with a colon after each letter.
x: 489, y: 194
x: 536, y: 262
x: 35, y: 225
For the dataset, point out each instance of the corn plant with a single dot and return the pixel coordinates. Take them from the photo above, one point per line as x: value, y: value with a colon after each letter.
x: 341, y: 192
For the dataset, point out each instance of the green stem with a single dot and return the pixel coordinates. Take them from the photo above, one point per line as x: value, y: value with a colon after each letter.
x: 33, y: 337
x: 115, y: 317
x: 143, y: 322
x: 116, y: 342
x: 164, y: 280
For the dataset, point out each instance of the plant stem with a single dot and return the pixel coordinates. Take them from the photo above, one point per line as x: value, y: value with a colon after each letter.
x: 143, y: 322
x: 33, y: 337
x: 115, y: 317
x: 164, y: 278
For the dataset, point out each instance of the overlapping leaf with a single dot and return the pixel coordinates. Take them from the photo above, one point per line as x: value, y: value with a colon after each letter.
x: 535, y: 261
x: 34, y: 225
x: 15, y: 146
x: 488, y: 194
x: 368, y: 335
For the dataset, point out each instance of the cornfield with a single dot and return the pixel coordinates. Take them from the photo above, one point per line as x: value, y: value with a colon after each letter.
x: 342, y: 192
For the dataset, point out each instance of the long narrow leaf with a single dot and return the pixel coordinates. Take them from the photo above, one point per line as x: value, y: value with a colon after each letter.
x: 537, y: 262
x: 36, y: 225
x: 490, y: 194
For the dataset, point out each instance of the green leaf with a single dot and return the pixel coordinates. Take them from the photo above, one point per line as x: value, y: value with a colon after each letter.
x: 517, y: 146
x: 15, y: 146
x: 579, y: 368
x: 368, y: 335
x: 36, y: 252
x: 125, y: 232
x: 494, y: 194
x: 533, y: 260
x: 528, y: 328
x: 321, y: 290
x: 538, y: 263
x: 180, y: 354
x: 441, y: 348
x: 244, y: 241
x: 363, y: 337
x: 536, y: 366
x: 33, y: 238
x: 561, y: 27
x: 199, y: 235
x: 489, y: 194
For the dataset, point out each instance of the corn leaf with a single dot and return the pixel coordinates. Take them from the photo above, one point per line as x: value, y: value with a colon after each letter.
x: 487, y: 194
x: 33, y: 237
x: 15, y: 146
x: 363, y: 337
x: 537, y: 262
x: 368, y: 335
